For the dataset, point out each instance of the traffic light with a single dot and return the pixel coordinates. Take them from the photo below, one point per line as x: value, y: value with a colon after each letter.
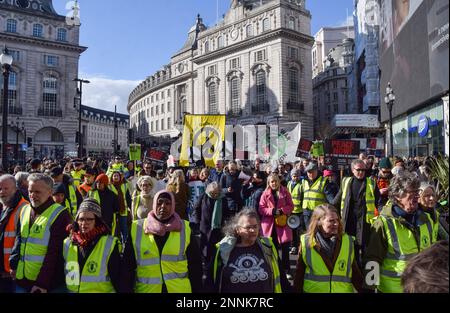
x: 29, y: 142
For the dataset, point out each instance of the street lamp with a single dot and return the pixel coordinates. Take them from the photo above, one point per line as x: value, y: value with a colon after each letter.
x: 80, y: 140
x: 389, y: 99
x: 6, y: 61
x: 16, y: 126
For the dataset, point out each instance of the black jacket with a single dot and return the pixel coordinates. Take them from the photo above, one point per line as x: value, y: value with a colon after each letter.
x: 232, y: 202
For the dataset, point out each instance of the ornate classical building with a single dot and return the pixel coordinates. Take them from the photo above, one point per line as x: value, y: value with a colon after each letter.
x: 46, y: 51
x: 254, y: 66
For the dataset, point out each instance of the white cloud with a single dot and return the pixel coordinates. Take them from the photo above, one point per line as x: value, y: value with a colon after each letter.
x: 104, y: 93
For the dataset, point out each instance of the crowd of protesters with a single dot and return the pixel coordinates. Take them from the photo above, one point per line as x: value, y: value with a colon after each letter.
x: 85, y: 225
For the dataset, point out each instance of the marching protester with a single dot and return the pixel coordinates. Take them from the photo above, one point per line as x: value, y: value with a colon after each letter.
x: 120, y: 187
x: 294, y: 188
x: 91, y: 254
x: 72, y: 196
x: 429, y: 205
x: 327, y: 262
x: 383, y: 180
x: 144, y: 198
x: 12, y: 203
x: 77, y: 172
x: 88, y: 182
x: 260, y: 273
x: 180, y: 190
x: 162, y: 255
x: 22, y: 184
x: 36, y: 260
x: 230, y: 181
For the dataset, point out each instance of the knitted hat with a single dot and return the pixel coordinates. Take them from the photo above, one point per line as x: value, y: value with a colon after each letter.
x: 385, y: 163
x: 90, y: 205
x: 102, y: 178
x: 327, y: 173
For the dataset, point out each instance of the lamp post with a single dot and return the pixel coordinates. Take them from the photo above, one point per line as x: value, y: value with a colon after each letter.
x: 6, y: 61
x: 16, y: 126
x: 80, y: 140
x: 389, y: 99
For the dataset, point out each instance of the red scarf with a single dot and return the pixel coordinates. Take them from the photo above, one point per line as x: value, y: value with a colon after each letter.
x: 83, y: 240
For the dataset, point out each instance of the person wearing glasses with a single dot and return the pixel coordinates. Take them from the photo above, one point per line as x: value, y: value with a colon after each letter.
x: 358, y: 199
x: 162, y: 255
x: 91, y: 255
x: 397, y: 235
x: 246, y: 262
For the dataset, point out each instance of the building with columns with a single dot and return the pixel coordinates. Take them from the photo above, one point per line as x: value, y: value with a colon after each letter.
x: 253, y: 66
x: 46, y: 52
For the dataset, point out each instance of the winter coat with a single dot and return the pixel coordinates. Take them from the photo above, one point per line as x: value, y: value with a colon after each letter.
x: 266, y: 211
x: 232, y: 203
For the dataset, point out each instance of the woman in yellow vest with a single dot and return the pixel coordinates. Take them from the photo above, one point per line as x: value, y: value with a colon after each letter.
x: 91, y: 255
x: 428, y: 203
x: 244, y: 261
x: 326, y: 262
x: 161, y: 254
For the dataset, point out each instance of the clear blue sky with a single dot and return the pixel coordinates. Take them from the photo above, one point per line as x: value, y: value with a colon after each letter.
x: 130, y: 40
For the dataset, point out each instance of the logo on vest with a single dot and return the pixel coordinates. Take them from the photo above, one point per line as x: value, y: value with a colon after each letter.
x: 37, y: 229
x: 425, y: 241
x: 92, y: 266
x: 341, y: 265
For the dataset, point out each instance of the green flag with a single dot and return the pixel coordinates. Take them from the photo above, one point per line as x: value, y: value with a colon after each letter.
x: 135, y: 152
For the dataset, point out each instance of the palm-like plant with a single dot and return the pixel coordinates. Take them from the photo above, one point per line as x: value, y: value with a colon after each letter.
x: 439, y: 172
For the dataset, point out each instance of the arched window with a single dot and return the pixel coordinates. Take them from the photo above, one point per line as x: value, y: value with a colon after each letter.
x: 212, y: 99
x: 293, y: 86
x: 50, y: 92
x: 62, y: 34
x: 291, y: 23
x: 207, y: 47
x: 12, y: 92
x: 11, y: 26
x: 38, y: 30
x: 266, y: 25
x: 249, y: 30
x: 261, y: 94
x: 235, y: 95
x: 220, y: 42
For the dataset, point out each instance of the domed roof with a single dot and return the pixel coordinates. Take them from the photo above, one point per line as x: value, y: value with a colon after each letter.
x: 42, y: 6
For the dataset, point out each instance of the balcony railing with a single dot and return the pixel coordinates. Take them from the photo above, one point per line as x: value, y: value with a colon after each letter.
x: 12, y: 110
x: 49, y: 112
x: 260, y: 108
x: 295, y: 106
x: 235, y: 113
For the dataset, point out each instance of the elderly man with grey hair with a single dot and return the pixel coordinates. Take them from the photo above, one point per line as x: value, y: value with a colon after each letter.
x: 36, y: 260
x: 12, y: 204
x: 398, y: 234
x: 22, y: 183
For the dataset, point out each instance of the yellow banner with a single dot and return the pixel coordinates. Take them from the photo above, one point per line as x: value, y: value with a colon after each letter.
x: 207, y: 132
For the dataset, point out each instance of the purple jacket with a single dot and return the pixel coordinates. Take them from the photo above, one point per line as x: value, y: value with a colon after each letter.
x: 266, y: 206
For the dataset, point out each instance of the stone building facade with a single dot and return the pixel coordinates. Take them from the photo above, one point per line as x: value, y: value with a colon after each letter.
x: 46, y: 53
x: 253, y: 66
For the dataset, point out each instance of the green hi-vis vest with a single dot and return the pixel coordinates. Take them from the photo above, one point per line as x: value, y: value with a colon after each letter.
x: 136, y: 201
x: 313, y: 196
x: 169, y: 268
x: 401, y: 246
x: 265, y: 243
x: 370, y: 197
x: 434, y: 223
x: 71, y: 203
x: 94, y: 276
x: 318, y: 278
x: 95, y: 195
x: 34, y: 244
x: 124, y: 189
x: 77, y: 175
x: 295, y: 195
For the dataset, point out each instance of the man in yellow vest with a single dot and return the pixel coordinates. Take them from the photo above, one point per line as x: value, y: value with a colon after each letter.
x: 12, y: 203
x: 358, y: 199
x: 72, y: 195
x: 161, y: 254
x: 314, y: 192
x: 397, y: 235
x: 36, y: 260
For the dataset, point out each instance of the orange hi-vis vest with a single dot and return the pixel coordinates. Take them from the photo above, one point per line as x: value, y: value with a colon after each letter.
x: 10, y: 233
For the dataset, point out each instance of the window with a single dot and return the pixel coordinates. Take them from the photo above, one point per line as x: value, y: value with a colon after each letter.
x: 151, y: 99
x: 212, y: 70
x: 51, y: 60
x: 11, y: 26
x: 15, y: 54
x: 260, y: 55
x: 162, y: 95
x: 169, y: 125
x: 157, y: 126
x: 220, y: 42
x: 261, y: 91
x: 50, y: 91
x: 249, y: 30
x: 291, y: 22
x: 266, y: 25
x: 157, y: 110
x: 335, y: 96
x: 168, y: 106
x: 157, y: 97
x: 12, y: 92
x: 62, y: 34
x: 212, y: 99
x: 152, y: 126
x: 162, y: 108
x: 293, y: 86
x: 162, y: 124
x: 207, y: 47
x: 235, y: 95
x: 293, y: 53
x: 168, y: 93
x: 234, y: 63
x: 38, y: 30
x: 335, y: 108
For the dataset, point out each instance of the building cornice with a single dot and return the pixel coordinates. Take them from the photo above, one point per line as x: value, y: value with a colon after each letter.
x: 34, y: 13
x: 278, y: 33
x: 42, y: 42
